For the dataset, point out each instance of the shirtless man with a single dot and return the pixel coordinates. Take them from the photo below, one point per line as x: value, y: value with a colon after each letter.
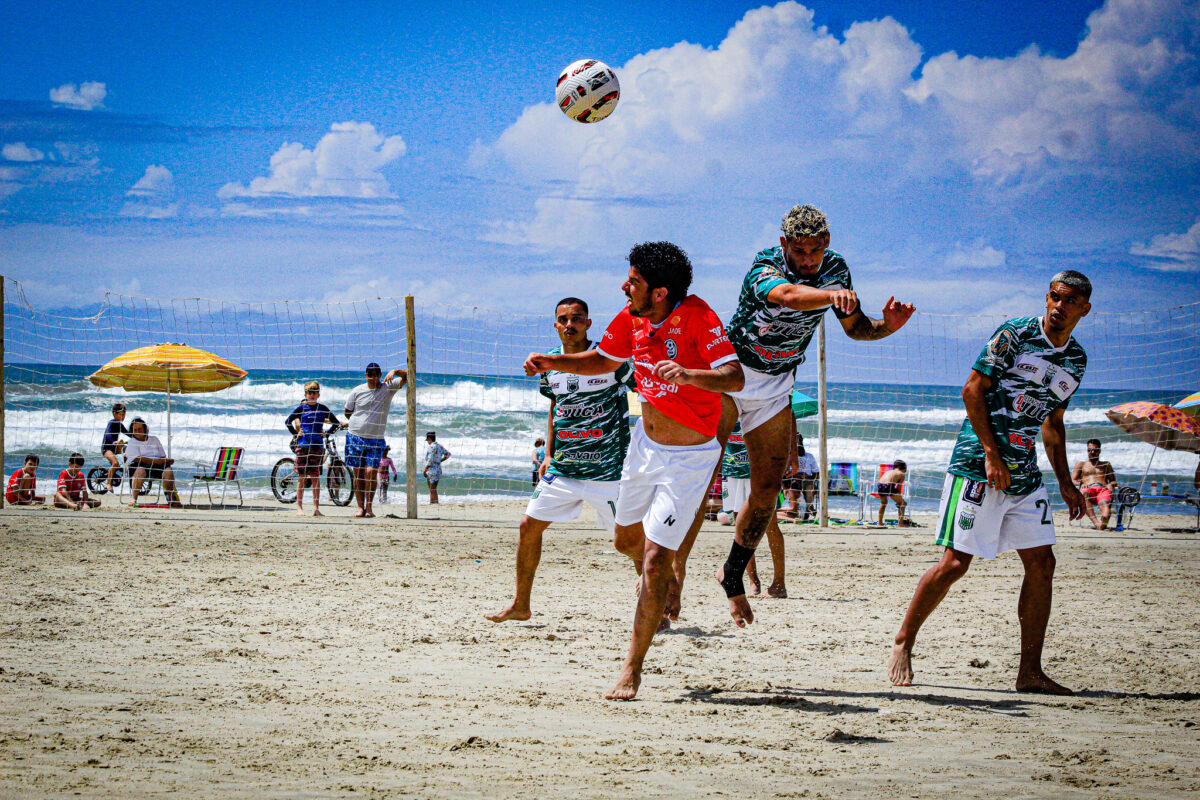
x: 993, y: 498
x: 783, y: 298
x: 682, y: 363
x: 588, y: 430
x: 1098, y: 482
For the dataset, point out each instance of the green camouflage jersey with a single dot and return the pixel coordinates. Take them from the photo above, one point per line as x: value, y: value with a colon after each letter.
x: 1031, y: 378
x: 735, y: 463
x: 591, y: 421
x: 771, y: 338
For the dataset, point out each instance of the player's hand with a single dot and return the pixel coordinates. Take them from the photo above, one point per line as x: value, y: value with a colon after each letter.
x: 896, y: 314
x: 844, y: 300
x: 671, y: 372
x: 542, y: 469
x: 1074, y: 500
x: 536, y: 364
x: 998, y: 476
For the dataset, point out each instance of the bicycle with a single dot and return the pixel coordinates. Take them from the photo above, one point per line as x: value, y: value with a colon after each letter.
x: 97, y: 480
x: 339, y: 479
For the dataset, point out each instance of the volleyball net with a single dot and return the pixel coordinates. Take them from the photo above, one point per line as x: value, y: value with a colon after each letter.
x: 897, y: 398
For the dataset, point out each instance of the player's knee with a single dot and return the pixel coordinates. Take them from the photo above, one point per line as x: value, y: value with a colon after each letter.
x: 955, y: 565
x: 1041, y: 564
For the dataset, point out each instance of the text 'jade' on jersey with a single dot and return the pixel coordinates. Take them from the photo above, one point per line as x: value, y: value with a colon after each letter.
x: 591, y: 422
x: 771, y: 338
x: 1031, y: 378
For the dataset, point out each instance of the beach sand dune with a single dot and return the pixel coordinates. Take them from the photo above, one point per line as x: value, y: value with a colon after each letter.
x: 200, y: 654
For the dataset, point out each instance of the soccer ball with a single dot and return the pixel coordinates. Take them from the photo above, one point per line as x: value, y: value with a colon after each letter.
x: 587, y: 91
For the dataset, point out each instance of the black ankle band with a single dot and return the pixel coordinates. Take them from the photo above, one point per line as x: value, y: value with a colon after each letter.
x: 735, y: 568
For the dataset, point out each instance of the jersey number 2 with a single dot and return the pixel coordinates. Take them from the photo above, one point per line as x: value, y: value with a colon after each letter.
x: 1045, y: 507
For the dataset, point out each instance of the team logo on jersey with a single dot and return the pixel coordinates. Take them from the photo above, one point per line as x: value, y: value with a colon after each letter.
x: 973, y: 492
x: 573, y: 383
x: 675, y: 319
x: 672, y: 350
x: 966, y: 520
x: 717, y: 331
x: 1030, y: 406
x: 1001, y: 345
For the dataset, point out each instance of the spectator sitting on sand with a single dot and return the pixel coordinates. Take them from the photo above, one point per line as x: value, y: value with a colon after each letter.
x: 22, y: 484
x: 72, y: 487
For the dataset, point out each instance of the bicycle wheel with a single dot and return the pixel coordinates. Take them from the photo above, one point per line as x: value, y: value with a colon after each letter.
x: 340, y: 481
x: 284, y: 480
x: 97, y: 479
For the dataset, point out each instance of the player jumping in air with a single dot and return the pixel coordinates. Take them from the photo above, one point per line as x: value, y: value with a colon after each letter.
x: 588, y: 435
x: 784, y: 296
x: 682, y: 362
x: 993, y: 498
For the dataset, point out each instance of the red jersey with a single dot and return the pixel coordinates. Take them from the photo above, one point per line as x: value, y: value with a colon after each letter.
x: 74, y: 487
x: 693, y: 337
x: 14, y: 480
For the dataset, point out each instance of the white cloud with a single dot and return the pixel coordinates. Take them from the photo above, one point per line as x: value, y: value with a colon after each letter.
x: 345, y: 163
x: 86, y: 96
x: 975, y: 255
x: 19, y: 151
x: 781, y: 105
x: 1172, y: 252
x: 155, y: 182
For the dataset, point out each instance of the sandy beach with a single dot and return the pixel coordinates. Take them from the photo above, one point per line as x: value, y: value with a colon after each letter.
x: 249, y: 654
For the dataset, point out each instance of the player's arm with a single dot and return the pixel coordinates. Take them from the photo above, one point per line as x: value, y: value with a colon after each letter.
x: 549, y: 441
x: 402, y: 374
x: 294, y: 417
x: 974, y: 395
x: 587, y: 363
x: 862, y: 328
x: 808, y: 298
x: 726, y: 378
x: 1054, y: 440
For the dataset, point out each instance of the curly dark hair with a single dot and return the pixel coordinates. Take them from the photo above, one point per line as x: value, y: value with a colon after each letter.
x: 663, y: 265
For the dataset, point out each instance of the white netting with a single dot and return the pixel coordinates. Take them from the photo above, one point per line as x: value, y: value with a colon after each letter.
x: 895, y: 398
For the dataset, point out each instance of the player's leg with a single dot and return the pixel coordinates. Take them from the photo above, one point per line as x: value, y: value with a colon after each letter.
x: 529, y: 555
x: 767, y: 445
x: 301, y: 485
x: 901, y: 510
x: 369, y: 475
x: 729, y: 416
x: 1089, y: 501
x: 91, y: 502
x: 882, y: 505
x: 433, y: 493
x: 1104, y: 506
x: 135, y: 484
x: 168, y: 484
x: 778, y: 587
x: 931, y: 589
x: 1033, y: 610
x: 62, y: 501
x: 657, y: 572
x: 112, y: 468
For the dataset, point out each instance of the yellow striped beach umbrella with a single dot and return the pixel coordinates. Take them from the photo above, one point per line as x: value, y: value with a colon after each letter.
x: 169, y: 368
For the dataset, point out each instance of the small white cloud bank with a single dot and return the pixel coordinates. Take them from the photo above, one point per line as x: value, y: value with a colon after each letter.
x: 86, y: 96
x: 19, y: 151
x: 151, y: 196
x: 1172, y: 252
x: 345, y: 163
x: 975, y: 255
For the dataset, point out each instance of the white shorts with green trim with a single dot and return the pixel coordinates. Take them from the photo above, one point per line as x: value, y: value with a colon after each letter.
x: 982, y: 521
x: 559, y: 499
x: 762, y: 397
x: 662, y: 486
x: 734, y: 494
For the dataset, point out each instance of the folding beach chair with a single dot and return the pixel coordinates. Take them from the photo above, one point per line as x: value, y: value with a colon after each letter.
x: 224, y: 471
x: 870, y: 488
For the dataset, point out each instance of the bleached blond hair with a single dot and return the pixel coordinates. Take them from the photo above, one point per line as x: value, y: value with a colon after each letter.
x: 804, y: 221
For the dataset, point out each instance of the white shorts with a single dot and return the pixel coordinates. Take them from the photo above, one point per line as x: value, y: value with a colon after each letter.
x: 984, y: 522
x: 734, y: 494
x: 559, y: 499
x: 663, y: 486
x: 762, y: 397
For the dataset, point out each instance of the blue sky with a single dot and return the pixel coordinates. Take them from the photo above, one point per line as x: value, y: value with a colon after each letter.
x: 258, y: 151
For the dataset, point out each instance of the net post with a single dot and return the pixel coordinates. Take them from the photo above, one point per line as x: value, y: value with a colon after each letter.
x: 410, y: 455
x: 822, y: 398
x: 1, y: 382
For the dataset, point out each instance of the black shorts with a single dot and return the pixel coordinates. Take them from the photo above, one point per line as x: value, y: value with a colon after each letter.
x: 309, y: 461
x: 889, y: 490
x: 796, y: 483
x: 153, y: 473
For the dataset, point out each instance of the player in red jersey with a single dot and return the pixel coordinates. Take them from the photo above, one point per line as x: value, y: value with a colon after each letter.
x: 682, y: 362
x: 72, y: 487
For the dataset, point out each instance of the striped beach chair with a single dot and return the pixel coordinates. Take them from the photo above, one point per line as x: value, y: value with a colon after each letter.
x: 224, y: 471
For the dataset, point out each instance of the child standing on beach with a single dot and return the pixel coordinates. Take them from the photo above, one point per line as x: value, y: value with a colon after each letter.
x: 72, y: 487
x: 387, y: 471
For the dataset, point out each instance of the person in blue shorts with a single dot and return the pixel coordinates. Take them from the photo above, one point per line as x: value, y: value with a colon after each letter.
x: 307, y: 424
x: 110, y: 446
x: 367, y: 410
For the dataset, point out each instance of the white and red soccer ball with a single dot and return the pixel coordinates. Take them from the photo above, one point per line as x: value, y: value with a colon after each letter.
x: 587, y: 90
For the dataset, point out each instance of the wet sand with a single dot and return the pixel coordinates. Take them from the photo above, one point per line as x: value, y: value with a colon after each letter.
x: 250, y: 654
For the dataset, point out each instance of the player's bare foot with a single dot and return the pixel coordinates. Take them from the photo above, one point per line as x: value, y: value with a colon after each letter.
x: 360, y: 513
x: 739, y: 607
x: 300, y: 512
x: 317, y: 513
x: 755, y: 586
x: 627, y: 685
x: 664, y: 624
x: 511, y: 612
x: 777, y: 590
x: 1040, y: 683
x: 900, y: 666
x: 369, y: 514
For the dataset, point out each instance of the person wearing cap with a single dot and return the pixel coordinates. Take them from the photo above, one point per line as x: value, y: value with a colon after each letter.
x: 435, y: 454
x: 367, y: 410
x: 306, y: 423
